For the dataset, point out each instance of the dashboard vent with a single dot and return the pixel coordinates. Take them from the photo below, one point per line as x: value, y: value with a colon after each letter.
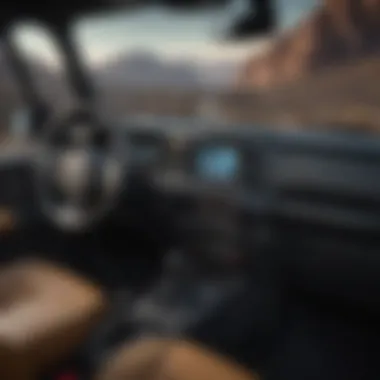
x: 335, y: 191
x: 323, y: 207
x: 338, y: 201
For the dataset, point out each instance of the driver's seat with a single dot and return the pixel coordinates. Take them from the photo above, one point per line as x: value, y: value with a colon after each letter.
x: 45, y: 313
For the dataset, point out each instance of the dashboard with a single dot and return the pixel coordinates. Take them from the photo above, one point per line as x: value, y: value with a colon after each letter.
x: 321, y: 178
x: 228, y: 179
x: 230, y: 193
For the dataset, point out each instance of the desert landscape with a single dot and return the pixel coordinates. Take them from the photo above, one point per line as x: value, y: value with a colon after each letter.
x: 321, y: 74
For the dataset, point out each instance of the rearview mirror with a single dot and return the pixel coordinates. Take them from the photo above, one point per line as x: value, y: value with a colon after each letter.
x: 259, y: 19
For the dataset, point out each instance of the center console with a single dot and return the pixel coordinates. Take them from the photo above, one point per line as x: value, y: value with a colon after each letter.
x: 207, y: 278
x: 183, y: 298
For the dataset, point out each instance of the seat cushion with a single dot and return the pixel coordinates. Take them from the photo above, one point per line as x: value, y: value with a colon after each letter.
x: 160, y: 359
x: 45, y: 313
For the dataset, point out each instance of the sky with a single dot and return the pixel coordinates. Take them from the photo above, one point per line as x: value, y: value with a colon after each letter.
x: 171, y: 35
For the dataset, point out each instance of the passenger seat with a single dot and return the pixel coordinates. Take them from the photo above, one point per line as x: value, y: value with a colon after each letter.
x: 165, y: 359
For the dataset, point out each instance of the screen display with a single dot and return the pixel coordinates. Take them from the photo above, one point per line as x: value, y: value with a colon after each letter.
x: 221, y: 163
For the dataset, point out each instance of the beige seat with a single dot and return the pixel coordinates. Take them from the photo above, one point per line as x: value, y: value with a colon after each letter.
x: 45, y: 313
x: 170, y: 360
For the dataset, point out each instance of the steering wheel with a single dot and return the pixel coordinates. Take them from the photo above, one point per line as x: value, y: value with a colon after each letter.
x: 81, y: 170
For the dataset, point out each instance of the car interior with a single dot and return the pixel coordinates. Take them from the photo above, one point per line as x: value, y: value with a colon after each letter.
x: 231, y: 252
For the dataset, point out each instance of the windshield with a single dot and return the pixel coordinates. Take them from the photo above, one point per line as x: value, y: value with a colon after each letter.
x: 315, y: 70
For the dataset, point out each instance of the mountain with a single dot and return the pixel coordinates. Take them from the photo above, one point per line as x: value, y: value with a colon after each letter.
x: 340, y: 97
x: 218, y: 75
x: 144, y: 69
x: 338, y: 31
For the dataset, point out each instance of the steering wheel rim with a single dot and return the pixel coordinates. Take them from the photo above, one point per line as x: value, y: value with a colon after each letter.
x: 70, y: 169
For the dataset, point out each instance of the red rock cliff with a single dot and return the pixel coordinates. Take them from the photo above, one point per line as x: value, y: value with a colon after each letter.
x: 336, y: 32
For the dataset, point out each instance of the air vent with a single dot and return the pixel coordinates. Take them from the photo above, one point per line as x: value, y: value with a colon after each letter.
x: 329, y: 208
x: 329, y: 198
x: 336, y: 188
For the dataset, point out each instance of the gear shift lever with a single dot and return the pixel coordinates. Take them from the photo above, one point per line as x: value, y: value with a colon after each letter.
x: 178, y: 270
x: 162, y: 309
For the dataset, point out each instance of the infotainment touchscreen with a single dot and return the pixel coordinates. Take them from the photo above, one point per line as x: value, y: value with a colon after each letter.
x: 217, y: 163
